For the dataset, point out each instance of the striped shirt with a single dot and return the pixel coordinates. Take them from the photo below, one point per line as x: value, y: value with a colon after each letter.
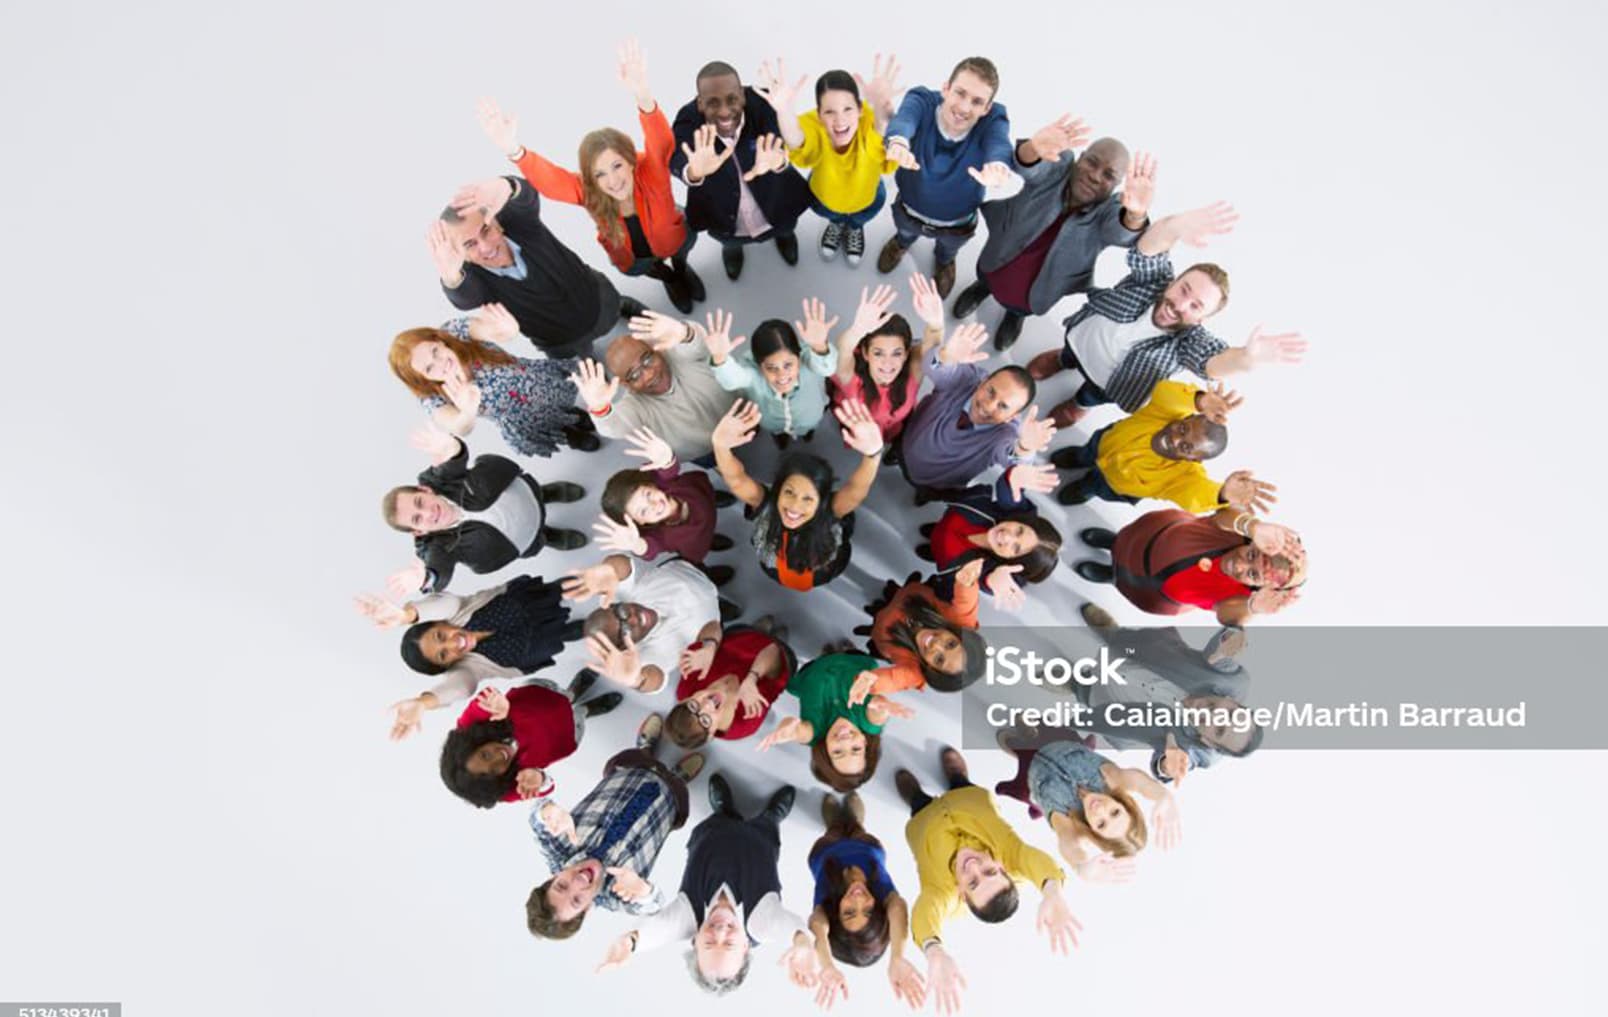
x: 1151, y: 359
x: 624, y: 821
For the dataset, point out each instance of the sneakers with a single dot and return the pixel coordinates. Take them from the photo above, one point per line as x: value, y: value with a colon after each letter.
x: 943, y: 279
x: 787, y: 246
x: 853, y: 245
x: 891, y: 253
x: 1045, y: 365
x: 562, y: 492
x: 970, y: 299
x: 831, y: 240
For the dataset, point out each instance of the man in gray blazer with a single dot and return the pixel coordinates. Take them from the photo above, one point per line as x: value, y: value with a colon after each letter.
x: 1043, y: 241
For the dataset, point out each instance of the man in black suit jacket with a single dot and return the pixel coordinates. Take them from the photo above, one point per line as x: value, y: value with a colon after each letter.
x: 483, y: 516
x: 754, y: 197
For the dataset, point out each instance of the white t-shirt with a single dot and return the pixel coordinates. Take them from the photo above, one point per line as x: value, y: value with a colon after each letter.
x: 685, y: 601
x: 516, y: 514
x: 1101, y: 344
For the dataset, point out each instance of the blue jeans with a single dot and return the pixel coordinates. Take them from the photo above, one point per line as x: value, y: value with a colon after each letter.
x: 948, y: 240
x: 852, y: 219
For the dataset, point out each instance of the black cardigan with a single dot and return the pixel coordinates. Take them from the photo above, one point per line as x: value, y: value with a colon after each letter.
x: 712, y: 205
x: 474, y: 488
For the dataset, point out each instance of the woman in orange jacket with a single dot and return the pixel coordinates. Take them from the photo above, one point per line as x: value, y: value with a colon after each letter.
x: 626, y: 192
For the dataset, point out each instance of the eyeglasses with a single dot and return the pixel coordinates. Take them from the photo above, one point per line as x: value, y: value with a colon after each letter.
x: 634, y: 375
x: 705, y: 720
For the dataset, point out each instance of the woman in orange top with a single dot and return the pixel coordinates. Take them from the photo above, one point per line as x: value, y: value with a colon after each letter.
x: 928, y: 641
x: 626, y: 192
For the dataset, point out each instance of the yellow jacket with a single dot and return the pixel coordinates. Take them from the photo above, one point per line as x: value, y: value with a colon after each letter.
x: 965, y: 817
x: 1133, y: 468
x: 847, y: 181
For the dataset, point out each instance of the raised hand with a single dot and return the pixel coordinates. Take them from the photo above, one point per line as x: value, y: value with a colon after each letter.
x: 628, y: 886
x: 406, y: 717
x: 815, y: 328
x: 446, y: 252
x: 488, y: 195
x: 1174, y: 761
x: 1139, y: 189
x: 433, y: 442
x: 1169, y: 826
x: 501, y: 128
x: 618, y: 953
x: 404, y: 582
x: 737, y: 426
x: 1040, y: 477
x: 750, y: 699
x: 661, y: 331
x: 1243, y: 490
x: 1215, y: 405
x: 929, y: 305
x: 1271, y: 538
x: 1035, y: 434
x: 1197, y: 227
x: 382, y: 612
x: 1281, y: 348
x: 785, y: 732
x: 613, y: 536
x: 620, y: 663
x: 559, y: 822
x: 492, y: 323
x: 1063, y: 134
x: 1106, y: 869
x: 696, y: 659
x: 633, y: 73
x: 598, y: 581
x: 907, y: 983
x: 873, y: 311
x: 964, y: 345
x: 772, y: 84
x: 494, y: 701
x: 702, y: 159
x: 597, y: 389
x: 652, y: 449
x: 993, y: 174
x: 1270, y: 601
x: 944, y: 980
x: 463, y: 394
x: 770, y: 156
x: 528, y: 783
x: 800, y: 962
x: 1055, y: 920
x: 719, y: 339
x: 1008, y: 594
x: 860, y: 431
x: 899, y: 154
x: 884, y: 81
x: 830, y: 986
x: 892, y: 707
x: 970, y: 573
x: 860, y: 691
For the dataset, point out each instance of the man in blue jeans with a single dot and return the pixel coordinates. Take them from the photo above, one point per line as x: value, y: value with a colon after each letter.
x: 951, y: 145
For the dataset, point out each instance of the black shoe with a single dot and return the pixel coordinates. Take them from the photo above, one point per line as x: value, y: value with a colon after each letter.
x: 1010, y: 329
x: 924, y: 552
x: 720, y: 575
x: 1095, y: 572
x: 573, y: 631
x: 787, y: 245
x: 970, y: 299
x: 630, y: 307
x: 907, y: 785
x: 582, y: 441
x: 695, y: 286
x: 729, y: 612
x: 1067, y: 458
x: 782, y: 440
x: 924, y: 494
x: 721, y: 542
x: 562, y: 492
x: 562, y: 540
x: 732, y: 258
x: 1072, y: 493
x: 581, y: 684
x: 1097, y: 537
x: 892, y: 457
x: 720, y: 799
x: 808, y: 435
x: 602, y: 704
x: 675, y: 287
x: 724, y: 499
x: 927, y: 528
x: 781, y: 803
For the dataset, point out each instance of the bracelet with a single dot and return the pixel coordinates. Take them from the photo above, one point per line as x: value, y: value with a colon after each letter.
x: 1242, y: 524
x: 691, y: 332
x: 603, y: 412
x: 517, y: 154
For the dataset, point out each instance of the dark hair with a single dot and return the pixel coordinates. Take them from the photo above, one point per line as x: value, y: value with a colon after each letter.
x: 618, y: 491
x: 718, y: 69
x: 413, y: 652
x: 1252, y: 743
x: 461, y: 743
x: 1023, y: 378
x: 772, y: 335
x: 681, y: 724
x: 999, y: 907
x: 836, y: 81
x: 451, y: 215
x: 1038, y: 563
x: 982, y: 67
x: 896, y: 326
x: 921, y: 613
x: 543, y: 922
x: 864, y: 948
x: 821, y: 763
x: 811, y: 546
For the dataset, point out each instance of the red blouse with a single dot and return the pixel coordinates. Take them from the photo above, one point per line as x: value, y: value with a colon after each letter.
x: 736, y: 655
x: 544, y: 729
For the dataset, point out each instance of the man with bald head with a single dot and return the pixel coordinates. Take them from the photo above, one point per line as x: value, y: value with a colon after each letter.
x: 649, y: 615
x: 1043, y: 241
x: 1157, y: 453
x: 669, y: 386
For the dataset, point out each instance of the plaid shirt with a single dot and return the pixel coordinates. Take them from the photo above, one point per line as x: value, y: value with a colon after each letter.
x: 623, y: 822
x: 1154, y: 359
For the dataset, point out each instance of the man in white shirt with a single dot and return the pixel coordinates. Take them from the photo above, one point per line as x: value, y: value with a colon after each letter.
x: 650, y: 617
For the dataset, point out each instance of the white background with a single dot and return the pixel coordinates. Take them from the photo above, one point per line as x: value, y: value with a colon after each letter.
x: 215, y: 226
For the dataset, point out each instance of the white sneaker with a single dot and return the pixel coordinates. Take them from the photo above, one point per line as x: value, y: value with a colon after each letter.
x: 854, y: 245
x: 831, y: 237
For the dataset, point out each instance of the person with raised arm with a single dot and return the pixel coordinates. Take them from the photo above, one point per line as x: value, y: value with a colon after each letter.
x: 1151, y: 324
x: 999, y: 526
x: 845, y: 738
x: 928, y: 639
x: 659, y: 509
x: 879, y: 362
x: 647, y: 617
x: 626, y: 192
x: 1157, y: 453
x: 459, y: 372
x: 971, y: 420
x: 740, y: 187
x: 840, y: 143
x: 951, y: 146
x: 490, y: 246
x: 482, y: 516
x: 802, y: 526
x: 726, y: 691
x: 784, y: 377
x: 1044, y: 240
x: 668, y: 384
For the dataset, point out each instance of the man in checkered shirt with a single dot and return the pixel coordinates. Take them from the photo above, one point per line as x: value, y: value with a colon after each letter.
x: 1148, y: 327
x: 601, y: 853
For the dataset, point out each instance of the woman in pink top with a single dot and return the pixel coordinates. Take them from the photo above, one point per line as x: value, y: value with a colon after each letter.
x: 878, y: 363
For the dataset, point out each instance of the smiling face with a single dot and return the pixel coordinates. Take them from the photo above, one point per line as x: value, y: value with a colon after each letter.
x: 966, y: 98
x: 1104, y: 814
x: 635, y: 619
x: 856, y: 904
x: 446, y: 644
x: 885, y: 355
x: 640, y: 367
x: 998, y: 398
x: 797, y: 501
x: 1189, y: 300
x: 1012, y: 539
x: 573, y: 889
x: 845, y: 747
x: 424, y: 511
x: 490, y: 760
x: 840, y: 115
x: 482, y: 239
x: 1249, y: 565
x: 781, y: 371
x: 433, y: 361
x: 1097, y: 172
x: 1182, y: 440
x: 720, y: 942
x: 1222, y: 736
x: 941, y: 650
x: 612, y: 172
x: 720, y: 101
x: 648, y: 506
x: 979, y: 876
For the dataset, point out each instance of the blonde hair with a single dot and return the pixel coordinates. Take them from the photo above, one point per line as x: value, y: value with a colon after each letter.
x: 605, y: 211
x: 1130, y: 843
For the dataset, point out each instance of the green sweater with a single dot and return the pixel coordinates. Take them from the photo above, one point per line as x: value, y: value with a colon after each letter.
x: 822, y: 687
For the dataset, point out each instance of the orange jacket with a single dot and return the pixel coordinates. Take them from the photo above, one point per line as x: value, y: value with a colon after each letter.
x: 905, y: 671
x: 655, y: 204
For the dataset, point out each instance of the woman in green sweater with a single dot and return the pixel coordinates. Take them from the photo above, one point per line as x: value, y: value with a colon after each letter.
x: 845, y: 741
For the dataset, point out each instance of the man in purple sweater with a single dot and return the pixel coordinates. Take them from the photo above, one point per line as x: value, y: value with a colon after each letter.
x: 971, y: 419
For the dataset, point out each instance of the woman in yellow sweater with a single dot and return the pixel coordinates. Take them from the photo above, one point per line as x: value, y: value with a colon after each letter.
x: 840, y: 143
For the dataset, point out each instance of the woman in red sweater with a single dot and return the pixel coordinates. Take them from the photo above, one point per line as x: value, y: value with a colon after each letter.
x: 626, y: 192
x: 1002, y: 528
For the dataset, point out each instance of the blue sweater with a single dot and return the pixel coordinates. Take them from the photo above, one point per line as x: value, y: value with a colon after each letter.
x: 942, y: 190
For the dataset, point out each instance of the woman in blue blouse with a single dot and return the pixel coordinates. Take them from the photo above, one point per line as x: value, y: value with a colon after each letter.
x: 784, y: 377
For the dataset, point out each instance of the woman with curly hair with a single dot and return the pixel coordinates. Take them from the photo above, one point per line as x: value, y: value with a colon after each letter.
x: 802, y: 527
x: 845, y: 740
x: 1002, y: 528
x: 879, y: 363
x: 626, y: 192
x: 504, y: 742
x: 460, y: 375
x: 858, y: 914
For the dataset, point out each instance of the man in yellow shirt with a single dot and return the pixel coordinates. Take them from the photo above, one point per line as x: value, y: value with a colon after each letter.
x: 966, y: 853
x: 1157, y: 453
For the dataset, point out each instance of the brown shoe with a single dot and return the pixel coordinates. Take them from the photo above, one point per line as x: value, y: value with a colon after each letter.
x: 830, y: 810
x: 1067, y: 413
x: 943, y: 279
x: 888, y: 260
x: 689, y: 766
x: 855, y: 806
x: 1045, y: 365
x: 907, y: 785
x: 1097, y: 617
x: 953, y: 763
